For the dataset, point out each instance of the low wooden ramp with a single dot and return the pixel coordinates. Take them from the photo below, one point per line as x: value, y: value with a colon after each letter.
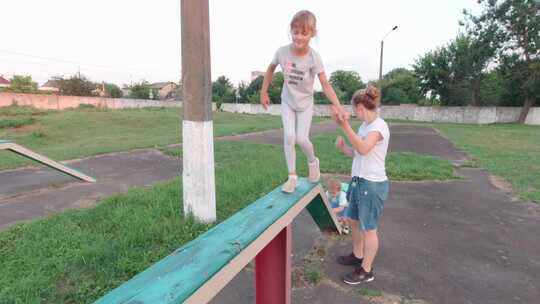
x: 7, y: 145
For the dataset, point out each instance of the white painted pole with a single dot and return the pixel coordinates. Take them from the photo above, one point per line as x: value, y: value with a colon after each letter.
x: 199, y: 194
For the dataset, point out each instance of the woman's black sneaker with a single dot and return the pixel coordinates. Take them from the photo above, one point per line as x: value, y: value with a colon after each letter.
x: 349, y: 260
x: 358, y: 276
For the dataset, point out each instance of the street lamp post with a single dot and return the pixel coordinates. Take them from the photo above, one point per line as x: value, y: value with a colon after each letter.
x: 382, y: 46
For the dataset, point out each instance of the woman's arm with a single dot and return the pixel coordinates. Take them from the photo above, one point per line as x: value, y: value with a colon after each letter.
x: 343, y: 147
x: 265, y: 100
x: 362, y: 146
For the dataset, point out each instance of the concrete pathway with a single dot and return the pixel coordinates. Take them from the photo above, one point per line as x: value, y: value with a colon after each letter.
x: 463, y: 241
x: 32, y: 193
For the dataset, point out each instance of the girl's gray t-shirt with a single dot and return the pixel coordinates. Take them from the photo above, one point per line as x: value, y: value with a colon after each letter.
x: 298, y: 76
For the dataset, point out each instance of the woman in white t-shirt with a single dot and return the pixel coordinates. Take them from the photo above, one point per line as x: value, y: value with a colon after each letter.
x: 369, y: 185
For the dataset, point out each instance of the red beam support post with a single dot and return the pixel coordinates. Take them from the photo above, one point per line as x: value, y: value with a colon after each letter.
x: 273, y: 270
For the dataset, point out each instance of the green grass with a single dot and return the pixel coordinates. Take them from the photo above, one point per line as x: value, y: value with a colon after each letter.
x: 400, y: 166
x: 313, y: 277
x: 84, y: 132
x: 14, y: 110
x: 15, y: 123
x: 511, y: 151
x: 369, y: 292
x: 78, y: 255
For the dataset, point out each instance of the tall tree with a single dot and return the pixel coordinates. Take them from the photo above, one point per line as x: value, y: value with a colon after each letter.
x: 400, y: 86
x: 253, y: 90
x: 274, y: 90
x: 113, y: 90
x: 251, y: 93
x: 454, y: 72
x: 433, y: 71
x: 345, y: 83
x: 471, y: 55
x: 482, y: 40
x: 141, y: 90
x: 76, y: 86
x: 517, y: 24
x: 22, y: 84
x: 223, y: 91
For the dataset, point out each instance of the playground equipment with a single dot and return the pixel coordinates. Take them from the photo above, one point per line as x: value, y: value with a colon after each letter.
x: 7, y: 145
x: 197, y: 271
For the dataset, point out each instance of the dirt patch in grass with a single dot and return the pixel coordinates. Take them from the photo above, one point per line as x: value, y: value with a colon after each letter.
x: 501, y: 184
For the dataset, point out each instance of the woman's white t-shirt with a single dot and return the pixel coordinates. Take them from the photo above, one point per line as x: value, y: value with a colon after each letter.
x: 372, y: 166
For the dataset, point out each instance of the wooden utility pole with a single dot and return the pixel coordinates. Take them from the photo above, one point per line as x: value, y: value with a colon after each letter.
x: 199, y: 194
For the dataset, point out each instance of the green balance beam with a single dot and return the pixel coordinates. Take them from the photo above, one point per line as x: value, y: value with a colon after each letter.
x: 198, y: 265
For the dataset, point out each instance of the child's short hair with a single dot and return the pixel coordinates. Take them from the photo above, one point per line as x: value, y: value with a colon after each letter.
x: 305, y: 20
x: 333, y: 182
x: 369, y: 97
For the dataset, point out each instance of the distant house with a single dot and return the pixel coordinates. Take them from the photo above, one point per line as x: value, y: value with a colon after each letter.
x: 126, y: 90
x: 100, y: 90
x: 4, y: 83
x: 256, y: 74
x: 50, y: 86
x: 165, y: 90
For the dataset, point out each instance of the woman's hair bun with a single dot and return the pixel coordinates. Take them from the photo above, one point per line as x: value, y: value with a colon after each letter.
x: 373, y: 92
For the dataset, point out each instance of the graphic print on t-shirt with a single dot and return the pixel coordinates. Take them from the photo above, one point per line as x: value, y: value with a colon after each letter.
x: 293, y: 74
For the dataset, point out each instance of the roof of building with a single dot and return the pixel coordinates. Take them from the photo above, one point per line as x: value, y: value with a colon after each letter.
x: 51, y: 84
x: 3, y: 80
x: 159, y: 85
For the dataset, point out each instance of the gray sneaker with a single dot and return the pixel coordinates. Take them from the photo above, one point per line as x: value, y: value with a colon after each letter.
x: 358, y: 276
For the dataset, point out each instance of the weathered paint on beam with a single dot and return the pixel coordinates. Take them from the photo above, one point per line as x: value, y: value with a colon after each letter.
x: 197, y: 271
x: 18, y: 149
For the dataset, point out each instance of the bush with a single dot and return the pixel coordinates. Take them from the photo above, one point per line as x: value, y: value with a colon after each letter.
x: 86, y: 106
x: 15, y: 123
x: 400, y: 86
x: 395, y: 96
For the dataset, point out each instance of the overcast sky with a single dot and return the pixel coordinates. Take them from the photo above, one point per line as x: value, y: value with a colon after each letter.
x: 121, y: 41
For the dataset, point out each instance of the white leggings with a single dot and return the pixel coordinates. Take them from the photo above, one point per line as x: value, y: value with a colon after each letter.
x: 296, y: 125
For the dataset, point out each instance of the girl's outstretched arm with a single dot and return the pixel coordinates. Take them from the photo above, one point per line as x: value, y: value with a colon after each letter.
x: 331, y: 95
x: 343, y: 147
x: 265, y: 100
x: 362, y: 146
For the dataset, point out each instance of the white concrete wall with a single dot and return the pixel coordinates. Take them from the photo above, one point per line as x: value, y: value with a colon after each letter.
x: 59, y: 102
x: 470, y: 115
x: 473, y: 115
x: 534, y: 117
